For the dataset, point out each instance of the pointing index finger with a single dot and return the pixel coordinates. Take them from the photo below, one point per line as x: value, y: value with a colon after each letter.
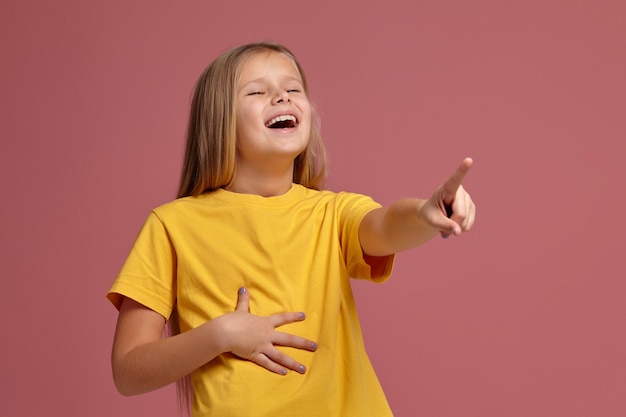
x: 456, y: 179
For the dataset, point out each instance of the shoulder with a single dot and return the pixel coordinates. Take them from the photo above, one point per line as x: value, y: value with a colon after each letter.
x: 183, y: 204
x: 179, y: 211
x: 332, y: 195
x: 342, y: 202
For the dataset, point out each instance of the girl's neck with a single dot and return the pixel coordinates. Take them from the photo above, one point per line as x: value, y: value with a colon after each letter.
x: 263, y: 185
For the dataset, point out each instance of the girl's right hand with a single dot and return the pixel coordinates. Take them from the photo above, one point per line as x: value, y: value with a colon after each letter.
x: 255, y: 338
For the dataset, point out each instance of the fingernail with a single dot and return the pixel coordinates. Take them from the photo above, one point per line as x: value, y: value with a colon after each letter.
x: 242, y: 290
x: 283, y: 372
x: 445, y: 235
x: 302, y: 368
x: 313, y: 345
x: 302, y: 315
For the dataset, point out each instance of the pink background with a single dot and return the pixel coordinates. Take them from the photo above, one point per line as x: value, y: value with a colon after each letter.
x: 524, y: 316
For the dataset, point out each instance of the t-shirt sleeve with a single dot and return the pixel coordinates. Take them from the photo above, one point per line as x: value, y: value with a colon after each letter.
x: 352, y: 209
x: 149, y: 273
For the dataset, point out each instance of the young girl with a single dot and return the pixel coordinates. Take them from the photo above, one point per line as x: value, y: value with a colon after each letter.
x: 252, y: 261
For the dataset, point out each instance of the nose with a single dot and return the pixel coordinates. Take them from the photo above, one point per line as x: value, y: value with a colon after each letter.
x: 281, y: 96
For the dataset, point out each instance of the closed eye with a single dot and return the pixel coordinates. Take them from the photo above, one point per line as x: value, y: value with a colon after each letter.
x: 254, y: 93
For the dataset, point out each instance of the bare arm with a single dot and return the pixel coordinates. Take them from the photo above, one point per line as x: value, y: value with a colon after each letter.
x: 410, y: 222
x: 143, y: 361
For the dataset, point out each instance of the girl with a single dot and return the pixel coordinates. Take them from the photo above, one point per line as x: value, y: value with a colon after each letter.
x: 252, y: 245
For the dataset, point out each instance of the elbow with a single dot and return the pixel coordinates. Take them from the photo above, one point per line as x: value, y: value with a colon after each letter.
x: 124, y: 382
x: 126, y: 388
x: 123, y: 386
x: 125, y: 392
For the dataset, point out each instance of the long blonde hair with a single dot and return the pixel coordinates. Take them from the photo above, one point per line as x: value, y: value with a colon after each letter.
x: 210, y: 155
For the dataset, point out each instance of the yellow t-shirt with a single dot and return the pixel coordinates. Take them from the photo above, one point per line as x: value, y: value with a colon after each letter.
x: 294, y: 252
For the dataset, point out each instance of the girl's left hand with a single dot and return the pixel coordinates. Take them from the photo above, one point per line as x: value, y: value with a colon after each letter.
x: 450, y: 209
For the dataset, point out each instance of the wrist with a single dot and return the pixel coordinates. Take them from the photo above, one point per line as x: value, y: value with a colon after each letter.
x: 216, y: 334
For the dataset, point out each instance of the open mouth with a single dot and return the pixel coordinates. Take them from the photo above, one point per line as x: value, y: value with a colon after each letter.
x: 284, y: 121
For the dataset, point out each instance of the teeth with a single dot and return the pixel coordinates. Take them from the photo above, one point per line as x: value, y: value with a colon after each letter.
x: 282, y: 118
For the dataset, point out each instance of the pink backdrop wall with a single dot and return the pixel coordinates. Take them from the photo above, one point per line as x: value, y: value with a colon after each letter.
x: 524, y: 316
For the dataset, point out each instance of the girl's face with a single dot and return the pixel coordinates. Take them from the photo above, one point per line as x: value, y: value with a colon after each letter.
x: 273, y: 113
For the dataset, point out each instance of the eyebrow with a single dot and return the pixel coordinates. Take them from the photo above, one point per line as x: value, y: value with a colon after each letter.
x: 262, y: 79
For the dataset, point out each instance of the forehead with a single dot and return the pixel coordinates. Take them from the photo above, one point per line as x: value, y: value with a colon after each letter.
x: 265, y: 64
